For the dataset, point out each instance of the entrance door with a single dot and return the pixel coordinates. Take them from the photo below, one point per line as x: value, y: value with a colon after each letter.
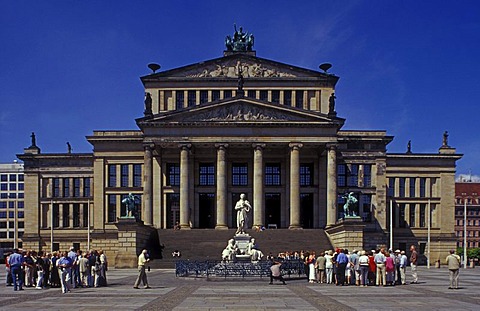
x: 206, y: 206
x: 273, y: 205
x: 306, y: 210
x: 173, y: 209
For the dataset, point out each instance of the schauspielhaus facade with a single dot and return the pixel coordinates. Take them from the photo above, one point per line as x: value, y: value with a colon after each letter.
x: 241, y: 124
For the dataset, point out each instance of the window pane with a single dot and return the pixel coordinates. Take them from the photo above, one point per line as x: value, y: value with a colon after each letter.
x: 239, y: 174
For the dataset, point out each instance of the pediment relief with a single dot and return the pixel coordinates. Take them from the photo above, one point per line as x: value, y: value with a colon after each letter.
x: 242, y: 111
x: 230, y: 69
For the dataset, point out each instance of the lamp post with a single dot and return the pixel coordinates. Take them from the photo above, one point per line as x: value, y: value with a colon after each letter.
x: 391, y: 224
x: 88, y: 225
x: 465, y: 233
x: 428, y: 234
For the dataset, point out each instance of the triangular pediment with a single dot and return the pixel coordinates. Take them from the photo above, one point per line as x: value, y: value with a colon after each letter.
x: 230, y: 66
x: 242, y: 110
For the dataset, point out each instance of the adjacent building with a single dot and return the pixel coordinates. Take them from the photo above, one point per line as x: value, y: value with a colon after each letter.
x: 237, y: 124
x: 467, y: 198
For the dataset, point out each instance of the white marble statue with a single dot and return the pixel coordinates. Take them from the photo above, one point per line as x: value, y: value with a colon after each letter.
x: 228, y: 254
x: 242, y: 207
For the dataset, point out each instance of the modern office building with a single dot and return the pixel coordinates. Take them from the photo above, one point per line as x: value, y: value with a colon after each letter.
x: 209, y: 131
x: 12, y: 206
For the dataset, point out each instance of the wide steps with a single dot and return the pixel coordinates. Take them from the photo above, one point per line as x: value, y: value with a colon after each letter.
x: 207, y: 244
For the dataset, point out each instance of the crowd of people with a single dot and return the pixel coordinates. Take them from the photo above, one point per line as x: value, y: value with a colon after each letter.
x: 65, y: 270
x: 342, y: 267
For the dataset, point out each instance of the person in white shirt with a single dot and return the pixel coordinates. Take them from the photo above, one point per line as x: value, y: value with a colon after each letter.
x: 380, y: 262
x: 142, y: 275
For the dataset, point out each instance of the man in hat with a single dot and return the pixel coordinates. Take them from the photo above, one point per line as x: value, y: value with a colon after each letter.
x: 396, y: 257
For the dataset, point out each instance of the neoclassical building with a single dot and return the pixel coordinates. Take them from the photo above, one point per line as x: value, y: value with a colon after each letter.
x: 241, y: 124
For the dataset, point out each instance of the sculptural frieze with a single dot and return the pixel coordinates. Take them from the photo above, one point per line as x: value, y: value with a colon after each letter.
x: 248, y: 70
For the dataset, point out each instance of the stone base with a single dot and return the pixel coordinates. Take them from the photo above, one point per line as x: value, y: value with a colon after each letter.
x: 348, y: 233
x: 133, y: 236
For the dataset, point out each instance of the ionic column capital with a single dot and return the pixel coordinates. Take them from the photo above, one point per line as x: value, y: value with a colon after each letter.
x: 185, y: 146
x: 259, y: 146
x: 295, y: 146
x: 221, y: 146
x: 331, y: 147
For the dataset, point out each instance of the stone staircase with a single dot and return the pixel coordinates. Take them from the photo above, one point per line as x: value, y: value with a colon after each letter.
x: 207, y: 244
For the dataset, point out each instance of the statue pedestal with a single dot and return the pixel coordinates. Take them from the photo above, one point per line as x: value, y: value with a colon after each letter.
x: 347, y: 233
x: 242, y: 241
x: 133, y: 236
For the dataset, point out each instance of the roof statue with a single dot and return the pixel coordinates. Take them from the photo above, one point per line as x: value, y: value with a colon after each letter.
x: 241, y: 41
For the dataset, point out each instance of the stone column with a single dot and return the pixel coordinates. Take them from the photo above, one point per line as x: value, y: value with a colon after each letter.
x: 295, y: 185
x: 184, y: 186
x: 258, y: 208
x: 221, y: 186
x: 331, y: 185
x: 147, y: 186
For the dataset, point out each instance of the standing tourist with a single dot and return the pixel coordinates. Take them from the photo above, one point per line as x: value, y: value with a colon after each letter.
x: 453, y: 262
x: 413, y: 264
x: 142, y: 275
x: 16, y: 261
x: 390, y: 268
x: 84, y: 269
x: 380, y: 262
x: 403, y: 267
x: 320, y: 265
x: 342, y: 261
x: 329, y: 266
x: 64, y: 265
x: 364, y: 267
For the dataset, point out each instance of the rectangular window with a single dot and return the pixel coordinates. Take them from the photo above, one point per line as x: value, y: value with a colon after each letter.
x: 4, y: 177
x: 21, y: 186
x: 66, y: 215
x: 4, y: 186
x: 341, y: 175
x: 239, y: 174
x: 86, y: 187
x: 56, y: 215
x: 272, y: 174
x: 203, y: 97
x: 112, y: 175
x: 306, y: 175
x: 422, y: 216
x: 66, y: 187
x: 423, y: 182
x: 367, y: 175
x: 401, y: 187
x: 20, y: 177
x: 276, y: 97
x: 137, y: 175
x: 76, y: 187
x: 252, y: 93
x: 215, y: 95
x: 287, y: 98
x: 173, y: 174
x: 112, y: 208
x: 76, y: 215
x: 3, y: 204
x: 352, y: 178
x: 264, y: 95
x: 207, y: 174
x: 412, y: 187
x: 13, y: 187
x: 180, y: 99
x: 227, y: 94
x: 124, y: 175
x: 56, y: 187
x: 391, y: 187
x: 13, y: 177
x: 192, y: 98
x: 85, y: 215
x: 299, y: 99
x: 402, y: 223
x: 412, y: 215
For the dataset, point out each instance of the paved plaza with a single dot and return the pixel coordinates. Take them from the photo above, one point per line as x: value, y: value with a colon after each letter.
x: 171, y: 293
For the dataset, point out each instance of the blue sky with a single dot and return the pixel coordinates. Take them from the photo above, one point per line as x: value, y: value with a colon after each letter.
x: 408, y: 67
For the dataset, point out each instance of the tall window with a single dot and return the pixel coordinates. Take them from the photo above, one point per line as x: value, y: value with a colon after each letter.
x: 341, y: 175
x: 56, y: 187
x: 391, y: 187
x: 85, y: 215
x: 56, y: 215
x: 207, y: 174
x: 423, y: 182
x: 76, y: 215
x: 412, y: 187
x: 412, y: 215
x: 227, y: 93
x: 66, y: 216
x: 299, y: 99
x: 112, y: 175
x: 192, y: 98
x: 367, y: 175
x: 239, y: 174
x: 173, y: 174
x: 352, y: 178
x: 137, y: 175
x: 112, y: 208
x: 275, y: 96
x: 203, y: 97
x: 401, y: 187
x: 252, y: 93
x: 422, y: 215
x: 287, y: 98
x: 86, y: 187
x: 124, y: 175
x: 215, y: 95
x: 179, y: 99
x: 272, y: 174
x: 264, y: 95
x: 401, y: 212
x: 306, y: 175
x: 76, y: 187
